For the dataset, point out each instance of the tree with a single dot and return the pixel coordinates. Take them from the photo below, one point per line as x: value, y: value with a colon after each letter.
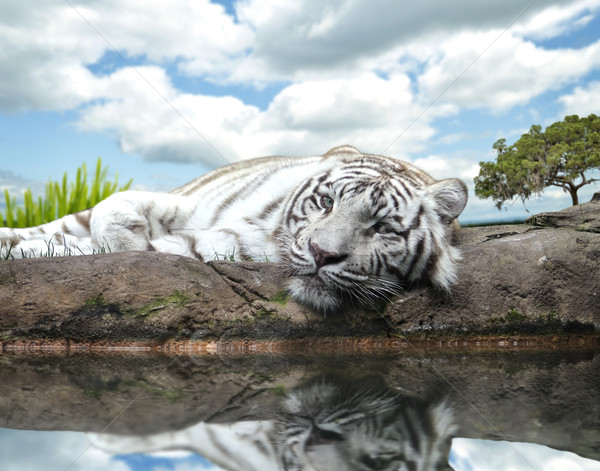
x: 559, y: 156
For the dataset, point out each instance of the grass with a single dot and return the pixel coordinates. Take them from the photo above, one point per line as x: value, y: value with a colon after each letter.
x: 227, y: 256
x: 6, y: 252
x: 231, y: 256
x: 61, y: 198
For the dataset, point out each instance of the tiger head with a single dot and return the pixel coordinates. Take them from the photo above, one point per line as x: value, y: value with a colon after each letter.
x: 344, y: 425
x: 369, y: 228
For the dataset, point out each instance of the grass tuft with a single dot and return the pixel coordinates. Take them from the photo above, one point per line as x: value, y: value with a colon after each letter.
x: 61, y: 198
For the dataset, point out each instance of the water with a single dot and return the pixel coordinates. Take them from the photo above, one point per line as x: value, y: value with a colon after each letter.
x: 495, y: 410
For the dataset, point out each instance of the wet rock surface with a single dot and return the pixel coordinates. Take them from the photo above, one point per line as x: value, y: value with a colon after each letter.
x: 538, y: 278
x: 546, y: 398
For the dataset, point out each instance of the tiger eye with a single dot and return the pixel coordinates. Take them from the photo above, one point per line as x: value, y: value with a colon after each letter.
x: 327, y: 202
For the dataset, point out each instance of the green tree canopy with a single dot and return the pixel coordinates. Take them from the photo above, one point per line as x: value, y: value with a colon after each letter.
x: 559, y: 156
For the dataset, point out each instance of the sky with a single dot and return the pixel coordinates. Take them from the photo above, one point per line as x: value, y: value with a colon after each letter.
x: 164, y: 91
x: 22, y: 450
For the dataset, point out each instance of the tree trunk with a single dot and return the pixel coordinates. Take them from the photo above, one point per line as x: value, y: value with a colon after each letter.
x: 573, y: 192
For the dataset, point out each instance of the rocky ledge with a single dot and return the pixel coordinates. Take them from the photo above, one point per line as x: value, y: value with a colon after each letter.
x: 542, y: 277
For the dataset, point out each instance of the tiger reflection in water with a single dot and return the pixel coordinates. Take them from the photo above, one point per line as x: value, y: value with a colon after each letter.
x: 326, y: 425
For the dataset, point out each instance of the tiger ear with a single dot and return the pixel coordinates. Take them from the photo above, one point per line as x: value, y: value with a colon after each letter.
x: 450, y: 197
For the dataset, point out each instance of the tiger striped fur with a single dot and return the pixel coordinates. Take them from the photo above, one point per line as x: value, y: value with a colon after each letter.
x: 323, y: 426
x: 350, y: 227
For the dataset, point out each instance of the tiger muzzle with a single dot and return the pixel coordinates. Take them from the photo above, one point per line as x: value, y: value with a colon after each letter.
x: 324, y: 257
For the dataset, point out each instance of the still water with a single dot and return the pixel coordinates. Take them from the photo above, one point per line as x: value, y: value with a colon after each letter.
x: 495, y: 410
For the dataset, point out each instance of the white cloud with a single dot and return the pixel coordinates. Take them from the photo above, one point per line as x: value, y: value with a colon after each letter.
x: 46, y: 46
x: 295, y: 40
x: 487, y: 455
x: 168, y: 125
x: 26, y: 450
x: 582, y: 101
x: 449, y: 166
x: 367, y: 111
x: 309, y: 118
x: 16, y: 186
x: 40, y: 62
x: 29, y: 450
x: 200, y: 31
x: 511, y: 72
x: 358, y: 72
x: 558, y: 19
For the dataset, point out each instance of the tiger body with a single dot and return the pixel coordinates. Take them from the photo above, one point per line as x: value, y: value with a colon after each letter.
x: 349, y: 226
x: 321, y: 427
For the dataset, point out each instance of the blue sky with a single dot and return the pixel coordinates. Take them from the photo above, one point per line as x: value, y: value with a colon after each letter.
x: 165, y: 91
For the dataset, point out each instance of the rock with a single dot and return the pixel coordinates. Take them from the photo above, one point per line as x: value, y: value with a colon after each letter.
x: 584, y: 217
x: 514, y: 279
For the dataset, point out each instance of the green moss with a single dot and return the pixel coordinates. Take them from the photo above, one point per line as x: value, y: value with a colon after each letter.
x: 95, y: 393
x: 96, y: 301
x: 281, y: 297
x: 514, y: 316
x: 262, y: 313
x: 267, y: 314
x: 550, y: 323
x: 171, y: 395
x: 177, y: 298
x: 278, y: 391
x: 99, y: 302
x: 6, y: 335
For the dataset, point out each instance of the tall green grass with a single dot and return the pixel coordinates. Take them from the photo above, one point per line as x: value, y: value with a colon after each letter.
x: 61, y: 198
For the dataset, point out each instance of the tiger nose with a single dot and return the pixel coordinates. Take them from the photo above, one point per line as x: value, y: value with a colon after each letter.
x: 323, y: 257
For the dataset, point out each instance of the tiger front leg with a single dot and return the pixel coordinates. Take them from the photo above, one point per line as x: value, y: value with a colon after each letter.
x: 118, y: 226
x: 136, y: 220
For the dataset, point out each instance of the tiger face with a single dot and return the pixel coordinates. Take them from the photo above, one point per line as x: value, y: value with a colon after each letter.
x: 342, y: 425
x: 368, y: 229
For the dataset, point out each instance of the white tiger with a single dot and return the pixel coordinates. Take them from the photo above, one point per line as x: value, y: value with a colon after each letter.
x: 349, y: 226
x: 324, y: 426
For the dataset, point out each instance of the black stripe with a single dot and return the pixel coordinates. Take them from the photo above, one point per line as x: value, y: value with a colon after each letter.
x: 148, y: 215
x: 240, y: 194
x: 269, y: 208
x: 294, y: 200
x: 83, y: 218
x: 167, y: 224
x: 191, y: 242
x: 418, y: 256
